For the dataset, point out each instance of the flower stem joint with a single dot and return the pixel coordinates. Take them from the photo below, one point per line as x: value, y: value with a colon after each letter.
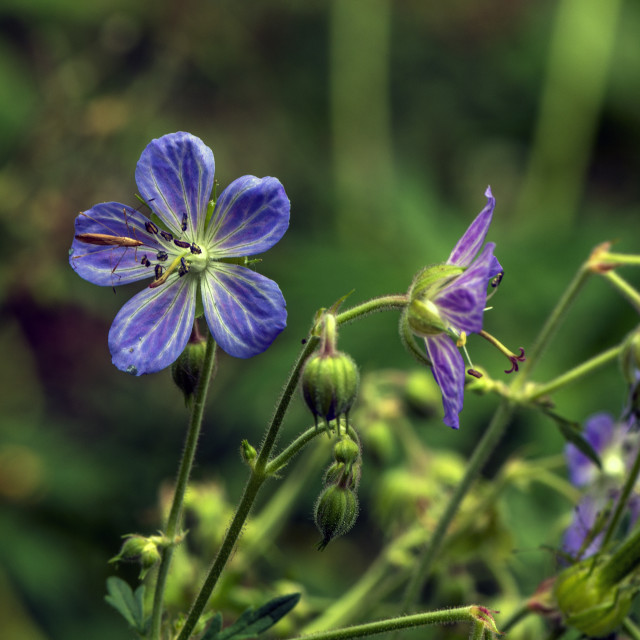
x: 330, y: 378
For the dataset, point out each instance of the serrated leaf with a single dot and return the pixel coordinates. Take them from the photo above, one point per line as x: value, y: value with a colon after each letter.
x: 129, y: 604
x: 214, y: 628
x: 254, y: 622
x: 572, y: 433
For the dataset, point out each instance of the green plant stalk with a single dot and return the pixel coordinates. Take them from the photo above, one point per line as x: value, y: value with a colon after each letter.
x: 624, y: 288
x: 623, y: 561
x: 574, y: 374
x: 444, y: 616
x: 629, y: 626
x: 184, y: 471
x: 619, y: 259
x: 491, y: 437
x: 259, y: 470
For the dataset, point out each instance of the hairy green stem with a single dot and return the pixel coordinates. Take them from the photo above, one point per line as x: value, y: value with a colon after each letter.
x: 259, y: 472
x: 574, y: 374
x: 184, y: 471
x: 444, y: 616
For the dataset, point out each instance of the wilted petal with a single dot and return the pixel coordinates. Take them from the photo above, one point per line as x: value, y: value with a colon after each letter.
x: 584, y: 517
x: 111, y: 265
x: 598, y: 432
x: 245, y: 311
x: 251, y: 215
x: 175, y: 176
x: 469, y: 245
x: 153, y: 328
x: 462, y: 302
x: 448, y: 370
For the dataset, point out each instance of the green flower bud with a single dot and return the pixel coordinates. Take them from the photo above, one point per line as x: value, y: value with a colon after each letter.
x: 345, y: 475
x: 346, y: 451
x: 589, y: 602
x: 335, y: 513
x: 186, y: 370
x: 139, y: 549
x: 330, y: 384
x: 248, y: 453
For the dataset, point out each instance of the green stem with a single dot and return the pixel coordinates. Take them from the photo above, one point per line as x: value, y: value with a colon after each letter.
x: 621, y: 506
x: 619, y: 259
x: 184, y: 471
x: 259, y: 471
x: 550, y: 326
x: 629, y: 626
x: 574, y: 374
x: 445, y: 616
x: 515, y: 618
x: 485, y: 447
x: 624, y: 288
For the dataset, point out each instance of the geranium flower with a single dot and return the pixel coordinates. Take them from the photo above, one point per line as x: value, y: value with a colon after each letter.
x: 193, y: 252
x: 447, y: 302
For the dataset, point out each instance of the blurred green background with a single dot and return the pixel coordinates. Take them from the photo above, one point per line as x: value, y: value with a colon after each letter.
x: 385, y: 122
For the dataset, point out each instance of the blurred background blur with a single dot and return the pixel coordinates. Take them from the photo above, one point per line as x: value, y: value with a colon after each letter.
x: 385, y: 122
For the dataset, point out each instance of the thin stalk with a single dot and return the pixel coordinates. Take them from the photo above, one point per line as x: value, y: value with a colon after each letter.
x: 485, y: 447
x: 184, y: 471
x: 574, y: 374
x: 444, y: 616
x: 624, y: 288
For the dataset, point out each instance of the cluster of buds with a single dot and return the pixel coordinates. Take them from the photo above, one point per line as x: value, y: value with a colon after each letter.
x: 337, y: 507
x: 330, y: 377
x: 144, y: 550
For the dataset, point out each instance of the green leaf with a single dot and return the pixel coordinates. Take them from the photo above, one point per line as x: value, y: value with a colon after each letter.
x: 254, y: 622
x: 129, y: 604
x: 572, y: 433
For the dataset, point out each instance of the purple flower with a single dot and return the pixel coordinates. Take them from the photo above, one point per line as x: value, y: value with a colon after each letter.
x: 193, y: 252
x: 447, y: 301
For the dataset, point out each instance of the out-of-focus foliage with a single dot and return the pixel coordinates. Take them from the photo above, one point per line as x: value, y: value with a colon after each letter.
x: 385, y: 122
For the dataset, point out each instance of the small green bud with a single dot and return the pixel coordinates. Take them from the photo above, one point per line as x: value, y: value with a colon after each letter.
x: 346, y: 451
x: 186, y: 370
x: 590, y: 603
x: 330, y: 384
x: 139, y: 549
x: 248, y: 453
x: 335, y: 513
x: 345, y: 475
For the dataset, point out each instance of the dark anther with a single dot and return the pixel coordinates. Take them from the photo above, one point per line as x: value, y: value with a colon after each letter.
x: 497, y: 280
x: 184, y: 268
x: 514, y: 361
x: 474, y: 373
x: 184, y: 221
x: 150, y: 227
x: 195, y: 248
x: 182, y: 244
x: 162, y: 256
x: 166, y: 235
x: 159, y: 271
x: 145, y: 261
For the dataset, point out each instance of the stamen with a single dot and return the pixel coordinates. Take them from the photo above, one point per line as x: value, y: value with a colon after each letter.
x: 474, y: 372
x: 462, y: 339
x: 513, y: 358
x: 184, y: 222
x: 162, y: 256
x: 150, y: 227
x: 145, y: 261
x: 159, y: 269
x: 195, y: 248
x: 497, y: 280
x: 162, y: 275
x: 166, y: 235
x: 184, y: 268
x: 182, y: 244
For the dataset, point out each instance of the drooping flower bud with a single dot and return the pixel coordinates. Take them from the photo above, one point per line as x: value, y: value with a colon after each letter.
x: 145, y: 551
x: 335, y: 513
x: 330, y: 378
x: 589, y: 601
x: 186, y: 370
x: 346, y: 451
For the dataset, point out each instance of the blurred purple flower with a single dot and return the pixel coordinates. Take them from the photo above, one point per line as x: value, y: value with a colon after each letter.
x: 459, y: 302
x: 195, y: 254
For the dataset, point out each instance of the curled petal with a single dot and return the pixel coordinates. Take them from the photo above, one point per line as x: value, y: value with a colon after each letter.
x: 116, y: 263
x: 469, y: 245
x: 584, y: 518
x: 462, y: 302
x: 251, y: 215
x: 448, y: 370
x: 245, y: 311
x: 175, y: 177
x: 152, y: 329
